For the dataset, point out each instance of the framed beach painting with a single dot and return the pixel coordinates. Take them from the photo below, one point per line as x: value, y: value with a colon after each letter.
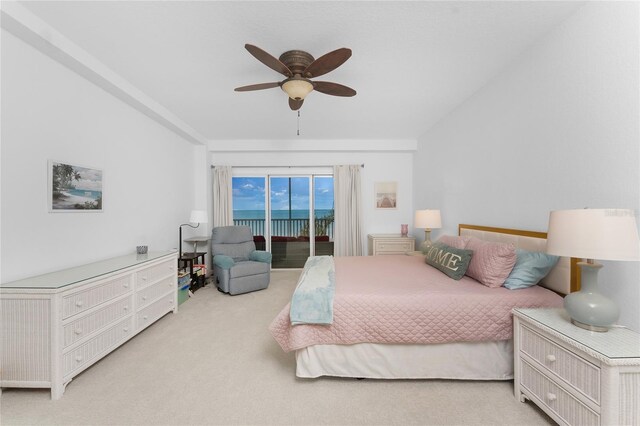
x: 386, y: 194
x: 74, y: 188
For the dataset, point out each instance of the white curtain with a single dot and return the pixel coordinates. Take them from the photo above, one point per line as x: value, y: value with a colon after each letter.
x: 348, y: 211
x: 222, y: 196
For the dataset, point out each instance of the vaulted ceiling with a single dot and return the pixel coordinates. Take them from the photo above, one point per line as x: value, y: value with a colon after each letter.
x: 413, y: 62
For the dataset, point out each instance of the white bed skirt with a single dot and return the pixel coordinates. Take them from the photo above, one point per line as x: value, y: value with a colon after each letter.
x: 463, y: 361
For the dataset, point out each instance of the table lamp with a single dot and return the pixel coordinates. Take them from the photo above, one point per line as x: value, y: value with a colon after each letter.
x: 198, y: 217
x: 605, y: 234
x: 427, y: 219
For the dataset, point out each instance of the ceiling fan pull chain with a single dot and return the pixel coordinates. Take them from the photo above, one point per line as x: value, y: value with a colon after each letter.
x: 298, y: 122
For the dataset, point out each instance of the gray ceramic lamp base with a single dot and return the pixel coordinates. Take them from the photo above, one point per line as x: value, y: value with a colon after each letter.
x: 427, y: 241
x: 588, y: 308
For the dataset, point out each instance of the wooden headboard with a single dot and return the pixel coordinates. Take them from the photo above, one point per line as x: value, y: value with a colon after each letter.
x: 563, y: 278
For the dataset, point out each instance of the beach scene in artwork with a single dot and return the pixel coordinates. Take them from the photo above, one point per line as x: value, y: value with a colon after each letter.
x: 75, y: 187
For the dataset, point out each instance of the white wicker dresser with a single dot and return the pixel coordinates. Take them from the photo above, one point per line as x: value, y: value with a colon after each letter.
x: 577, y: 377
x: 56, y: 325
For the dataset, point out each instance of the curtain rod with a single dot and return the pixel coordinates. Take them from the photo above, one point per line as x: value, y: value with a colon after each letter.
x: 277, y: 167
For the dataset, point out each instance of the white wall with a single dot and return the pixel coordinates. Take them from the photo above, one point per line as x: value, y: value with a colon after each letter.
x: 557, y: 129
x: 379, y: 167
x: 50, y: 112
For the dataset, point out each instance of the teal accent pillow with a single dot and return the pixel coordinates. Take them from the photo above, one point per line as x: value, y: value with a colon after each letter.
x: 260, y: 256
x: 223, y: 261
x: 530, y: 268
x: 452, y: 261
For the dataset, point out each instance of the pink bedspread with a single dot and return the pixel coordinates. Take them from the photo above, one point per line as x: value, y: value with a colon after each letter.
x: 400, y: 299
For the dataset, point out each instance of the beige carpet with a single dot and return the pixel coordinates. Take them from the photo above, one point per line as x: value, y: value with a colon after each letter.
x: 214, y: 362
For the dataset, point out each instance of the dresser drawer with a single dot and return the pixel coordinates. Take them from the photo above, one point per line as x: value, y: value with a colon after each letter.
x: 154, y: 273
x: 154, y: 311
x: 87, y: 353
x: 87, y: 324
x: 153, y: 292
x: 555, y: 398
x: 78, y: 301
x: 577, y: 372
x: 394, y: 247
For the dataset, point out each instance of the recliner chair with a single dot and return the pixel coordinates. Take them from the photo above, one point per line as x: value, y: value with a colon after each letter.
x: 237, y: 266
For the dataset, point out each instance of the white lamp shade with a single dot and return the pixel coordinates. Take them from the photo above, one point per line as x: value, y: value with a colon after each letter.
x: 198, y: 216
x: 604, y: 234
x: 428, y: 219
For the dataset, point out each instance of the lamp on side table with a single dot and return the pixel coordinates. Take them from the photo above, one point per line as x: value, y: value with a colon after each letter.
x: 607, y: 234
x: 427, y: 219
x: 197, y: 217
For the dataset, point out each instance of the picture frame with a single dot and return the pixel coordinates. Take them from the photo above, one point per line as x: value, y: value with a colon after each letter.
x: 386, y: 195
x: 74, y: 188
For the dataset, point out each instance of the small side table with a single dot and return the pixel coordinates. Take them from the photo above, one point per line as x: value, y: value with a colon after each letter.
x: 576, y: 376
x: 187, y: 260
x: 381, y: 244
x: 196, y: 240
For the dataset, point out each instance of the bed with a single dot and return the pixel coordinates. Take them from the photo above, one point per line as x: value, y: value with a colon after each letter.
x: 394, y: 317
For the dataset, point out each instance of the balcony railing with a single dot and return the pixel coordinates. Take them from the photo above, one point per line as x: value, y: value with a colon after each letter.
x: 287, y: 227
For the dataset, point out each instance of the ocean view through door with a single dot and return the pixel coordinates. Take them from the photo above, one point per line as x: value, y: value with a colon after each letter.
x: 279, y: 211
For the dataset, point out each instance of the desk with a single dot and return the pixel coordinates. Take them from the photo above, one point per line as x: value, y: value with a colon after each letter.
x: 187, y: 260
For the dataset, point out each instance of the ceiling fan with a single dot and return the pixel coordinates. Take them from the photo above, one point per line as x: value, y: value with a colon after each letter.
x: 299, y: 67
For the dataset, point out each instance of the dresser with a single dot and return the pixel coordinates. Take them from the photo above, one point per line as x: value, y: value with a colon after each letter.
x: 56, y: 325
x: 578, y: 377
x: 381, y: 244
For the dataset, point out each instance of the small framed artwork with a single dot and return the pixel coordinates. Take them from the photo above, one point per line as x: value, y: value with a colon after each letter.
x: 386, y: 194
x: 74, y: 188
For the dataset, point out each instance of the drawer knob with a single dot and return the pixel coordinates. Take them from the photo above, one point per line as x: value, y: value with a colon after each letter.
x: 144, y: 278
x: 145, y: 317
x: 551, y: 396
x: 126, y: 308
x: 125, y: 285
x: 144, y: 297
x: 78, y: 331
x: 78, y: 358
x: 79, y: 303
x: 125, y: 329
x: 551, y: 358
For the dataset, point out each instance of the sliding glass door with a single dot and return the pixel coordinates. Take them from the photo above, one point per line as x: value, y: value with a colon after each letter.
x: 291, y: 216
x: 290, y: 207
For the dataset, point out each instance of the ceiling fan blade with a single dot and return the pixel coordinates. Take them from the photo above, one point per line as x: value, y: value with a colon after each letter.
x: 327, y: 63
x: 268, y: 60
x: 260, y: 86
x: 333, y: 89
x: 295, y: 104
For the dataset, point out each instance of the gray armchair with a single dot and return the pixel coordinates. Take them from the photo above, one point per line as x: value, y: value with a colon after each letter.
x: 237, y: 266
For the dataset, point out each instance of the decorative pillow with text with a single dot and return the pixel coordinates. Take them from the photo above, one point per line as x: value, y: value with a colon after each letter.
x: 450, y: 260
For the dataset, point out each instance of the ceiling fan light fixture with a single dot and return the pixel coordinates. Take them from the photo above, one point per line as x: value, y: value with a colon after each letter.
x: 297, y: 88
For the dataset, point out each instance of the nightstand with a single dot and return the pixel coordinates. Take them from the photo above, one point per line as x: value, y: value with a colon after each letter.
x: 576, y: 376
x: 380, y: 244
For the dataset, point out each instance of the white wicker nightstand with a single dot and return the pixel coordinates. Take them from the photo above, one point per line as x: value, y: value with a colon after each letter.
x: 577, y: 377
x: 381, y: 244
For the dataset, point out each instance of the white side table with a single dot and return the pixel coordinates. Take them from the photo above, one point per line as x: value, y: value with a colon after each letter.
x: 576, y: 376
x: 383, y: 244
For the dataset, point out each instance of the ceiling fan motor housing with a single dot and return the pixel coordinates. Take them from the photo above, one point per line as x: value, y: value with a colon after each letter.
x: 296, y: 60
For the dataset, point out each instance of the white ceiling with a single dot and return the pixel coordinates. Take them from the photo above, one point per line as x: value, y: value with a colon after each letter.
x: 413, y: 62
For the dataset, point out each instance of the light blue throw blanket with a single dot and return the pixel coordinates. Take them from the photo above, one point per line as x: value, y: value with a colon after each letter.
x: 312, y: 301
